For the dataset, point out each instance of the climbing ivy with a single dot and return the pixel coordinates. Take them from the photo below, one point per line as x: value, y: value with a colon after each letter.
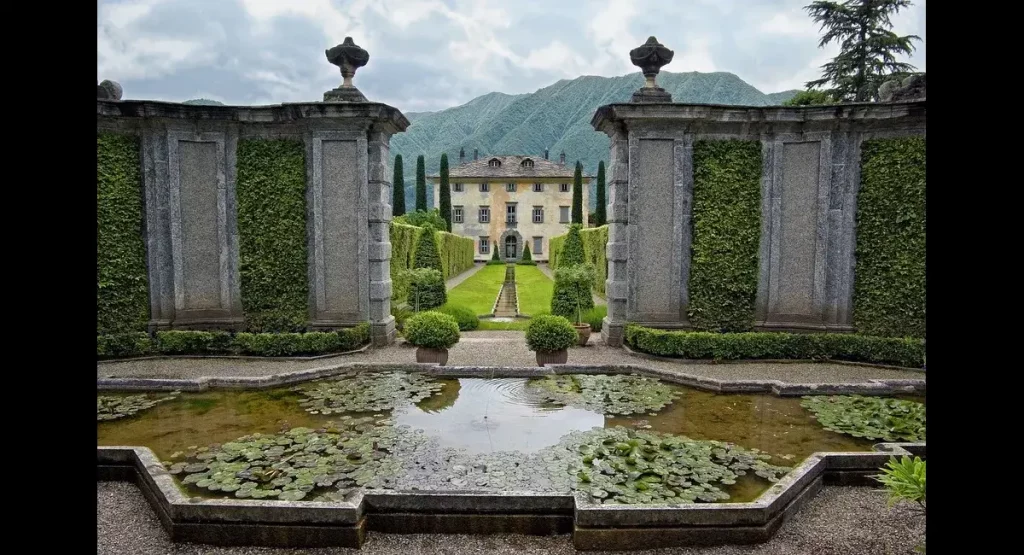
x: 122, y: 286
x: 271, y: 193
x: 726, y: 233
x: 889, y: 287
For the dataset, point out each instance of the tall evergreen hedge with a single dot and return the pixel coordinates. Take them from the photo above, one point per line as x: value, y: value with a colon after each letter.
x: 595, y: 245
x: 455, y: 252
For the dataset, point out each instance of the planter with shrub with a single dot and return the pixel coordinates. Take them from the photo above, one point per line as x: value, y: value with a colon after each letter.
x: 551, y: 336
x: 573, y: 298
x: 433, y: 333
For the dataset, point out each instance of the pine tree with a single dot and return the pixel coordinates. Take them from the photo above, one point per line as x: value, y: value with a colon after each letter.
x: 398, y: 188
x: 577, y: 194
x: 494, y: 253
x: 446, y: 194
x: 868, y: 48
x: 421, y: 184
x: 527, y: 257
x: 427, y: 254
x: 600, y: 214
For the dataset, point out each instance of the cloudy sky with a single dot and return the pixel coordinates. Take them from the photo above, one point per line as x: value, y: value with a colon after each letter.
x: 433, y: 54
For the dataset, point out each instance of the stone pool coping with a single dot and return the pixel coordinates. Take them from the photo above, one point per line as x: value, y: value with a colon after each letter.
x: 362, y: 349
x: 775, y: 387
x: 593, y: 526
x: 648, y: 356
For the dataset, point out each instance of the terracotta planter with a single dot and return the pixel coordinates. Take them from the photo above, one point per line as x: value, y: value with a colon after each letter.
x: 584, y: 331
x: 432, y: 356
x: 552, y: 357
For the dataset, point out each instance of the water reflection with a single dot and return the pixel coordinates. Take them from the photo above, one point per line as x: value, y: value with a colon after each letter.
x: 492, y: 415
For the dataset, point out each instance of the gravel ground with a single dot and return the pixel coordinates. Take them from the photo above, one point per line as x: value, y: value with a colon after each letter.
x: 503, y: 348
x: 839, y: 520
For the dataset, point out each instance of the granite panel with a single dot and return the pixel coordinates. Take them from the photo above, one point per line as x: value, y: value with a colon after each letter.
x: 798, y: 230
x: 200, y: 245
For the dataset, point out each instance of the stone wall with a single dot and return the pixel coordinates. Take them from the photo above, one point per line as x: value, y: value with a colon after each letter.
x: 188, y: 165
x: 809, y: 185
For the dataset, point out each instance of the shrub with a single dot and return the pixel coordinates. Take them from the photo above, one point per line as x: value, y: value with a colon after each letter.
x: 595, y: 252
x: 595, y: 317
x: 572, y: 295
x: 401, y: 312
x: 310, y: 343
x: 549, y: 333
x: 905, y: 480
x: 422, y: 218
x: 427, y: 255
x: 494, y: 253
x: 810, y: 97
x: 527, y: 263
x: 431, y: 330
x: 527, y: 257
x: 572, y: 249
x: 123, y: 345
x: 426, y: 289
x: 776, y: 345
x: 495, y: 262
x: 465, y: 317
x: 183, y: 342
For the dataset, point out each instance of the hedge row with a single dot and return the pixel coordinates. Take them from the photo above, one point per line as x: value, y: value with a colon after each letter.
x: 775, y: 345
x: 122, y: 286
x: 271, y: 193
x: 726, y: 234
x: 184, y: 342
x: 595, y: 244
x: 456, y: 256
x: 889, y: 285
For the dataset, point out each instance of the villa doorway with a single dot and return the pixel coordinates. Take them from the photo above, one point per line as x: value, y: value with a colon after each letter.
x: 511, y: 247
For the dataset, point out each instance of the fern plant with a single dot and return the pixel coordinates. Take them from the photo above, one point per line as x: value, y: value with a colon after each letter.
x: 904, y: 479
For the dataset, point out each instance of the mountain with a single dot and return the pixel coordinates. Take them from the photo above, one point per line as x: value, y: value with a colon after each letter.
x: 556, y: 117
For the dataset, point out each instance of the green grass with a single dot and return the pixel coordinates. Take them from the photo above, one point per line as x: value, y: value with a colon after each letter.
x: 518, y: 325
x: 479, y: 291
x: 534, y: 289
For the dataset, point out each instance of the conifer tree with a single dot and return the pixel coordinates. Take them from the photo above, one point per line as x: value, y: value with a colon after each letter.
x: 421, y: 184
x: 600, y: 214
x: 577, y: 194
x: 398, y: 188
x: 446, y: 194
x: 427, y: 253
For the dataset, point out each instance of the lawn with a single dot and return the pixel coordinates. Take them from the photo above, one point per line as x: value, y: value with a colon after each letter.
x: 480, y: 290
x: 534, y: 289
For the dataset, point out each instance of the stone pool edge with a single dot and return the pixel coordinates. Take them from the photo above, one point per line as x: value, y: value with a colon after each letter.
x: 775, y: 387
x: 593, y: 526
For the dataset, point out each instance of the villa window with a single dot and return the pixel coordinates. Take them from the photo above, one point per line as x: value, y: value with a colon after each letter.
x: 563, y: 214
x: 527, y: 163
x: 494, y: 163
x: 485, y: 187
x: 510, y: 213
x: 538, y: 214
x: 457, y: 215
x: 538, y: 243
x: 457, y: 187
x: 563, y: 187
x: 538, y: 187
x: 485, y: 245
x: 484, y: 215
x: 510, y: 187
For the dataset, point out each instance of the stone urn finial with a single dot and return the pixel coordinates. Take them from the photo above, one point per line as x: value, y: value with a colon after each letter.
x: 650, y: 57
x: 109, y: 90
x: 349, y: 57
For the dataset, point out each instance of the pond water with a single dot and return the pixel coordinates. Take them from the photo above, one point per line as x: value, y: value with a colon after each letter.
x: 477, y: 433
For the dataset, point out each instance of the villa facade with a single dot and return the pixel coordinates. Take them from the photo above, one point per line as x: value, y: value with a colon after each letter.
x: 511, y: 201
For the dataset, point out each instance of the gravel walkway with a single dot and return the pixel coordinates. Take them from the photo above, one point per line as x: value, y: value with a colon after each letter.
x: 838, y: 521
x: 503, y: 348
x: 452, y: 282
x: 546, y: 270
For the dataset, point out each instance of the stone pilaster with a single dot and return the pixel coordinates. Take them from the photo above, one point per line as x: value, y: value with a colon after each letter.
x: 382, y: 323
x: 613, y: 327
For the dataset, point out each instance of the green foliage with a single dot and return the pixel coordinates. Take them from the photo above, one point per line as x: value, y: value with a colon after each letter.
x: 571, y: 252
x: 620, y: 394
x: 366, y: 392
x: 398, y: 188
x: 420, y: 218
x: 122, y: 285
x: 889, y: 284
x: 776, y: 346
x: 184, y: 342
x: 726, y: 234
x: 526, y: 263
x: 547, y: 333
x: 572, y: 295
x: 298, y: 344
x: 421, y: 185
x: 577, y: 194
x: 527, y: 257
x: 431, y: 330
x: 427, y: 254
x: 595, y: 249
x: 868, y: 47
x: 869, y: 417
x: 624, y: 466
x: 445, y: 202
x: 273, y: 266
x: 466, y: 318
x: 494, y: 253
x: 426, y: 288
x: 495, y: 262
x: 810, y: 97
x: 595, y: 317
x: 128, y: 344
x: 114, y: 407
x: 456, y: 253
x: 905, y: 480
x: 600, y: 211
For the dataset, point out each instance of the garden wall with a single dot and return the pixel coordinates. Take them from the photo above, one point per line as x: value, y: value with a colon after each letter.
x: 769, y: 218
x: 595, y: 242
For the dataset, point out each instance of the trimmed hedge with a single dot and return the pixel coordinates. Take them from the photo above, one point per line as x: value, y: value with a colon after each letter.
x: 775, y: 345
x: 465, y: 317
x: 271, y: 193
x: 187, y: 342
x: 889, y: 285
x: 456, y: 256
x: 726, y: 234
x: 595, y: 246
x: 122, y: 285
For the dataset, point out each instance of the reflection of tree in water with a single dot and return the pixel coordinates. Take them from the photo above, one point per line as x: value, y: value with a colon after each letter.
x: 447, y: 397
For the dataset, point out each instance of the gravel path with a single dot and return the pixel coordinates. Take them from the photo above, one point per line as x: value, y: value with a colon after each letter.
x: 452, y: 282
x: 838, y: 521
x: 503, y: 348
x: 546, y: 270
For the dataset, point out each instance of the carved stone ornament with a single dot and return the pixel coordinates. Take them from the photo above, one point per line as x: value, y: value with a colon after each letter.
x: 650, y: 57
x: 349, y: 57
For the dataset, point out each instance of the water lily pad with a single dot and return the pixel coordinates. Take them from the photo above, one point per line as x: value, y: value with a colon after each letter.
x: 621, y: 394
x: 367, y: 392
x: 876, y: 418
x: 113, y: 407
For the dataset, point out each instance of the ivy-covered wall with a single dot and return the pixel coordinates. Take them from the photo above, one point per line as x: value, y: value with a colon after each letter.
x: 889, y: 283
x: 271, y: 193
x: 726, y: 234
x: 456, y: 256
x: 122, y: 286
x: 595, y: 243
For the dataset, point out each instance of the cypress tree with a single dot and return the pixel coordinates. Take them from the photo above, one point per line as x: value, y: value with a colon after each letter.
x: 446, y: 194
x: 600, y: 215
x: 527, y: 257
x: 577, y: 194
x: 572, y: 249
x: 494, y: 253
x: 398, y: 188
x: 427, y: 253
x: 421, y: 184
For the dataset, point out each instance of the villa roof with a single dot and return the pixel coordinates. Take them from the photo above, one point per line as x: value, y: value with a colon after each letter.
x: 511, y: 166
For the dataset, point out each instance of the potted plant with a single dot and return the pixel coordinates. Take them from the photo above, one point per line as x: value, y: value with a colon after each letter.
x: 572, y: 296
x: 550, y: 336
x: 433, y: 333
